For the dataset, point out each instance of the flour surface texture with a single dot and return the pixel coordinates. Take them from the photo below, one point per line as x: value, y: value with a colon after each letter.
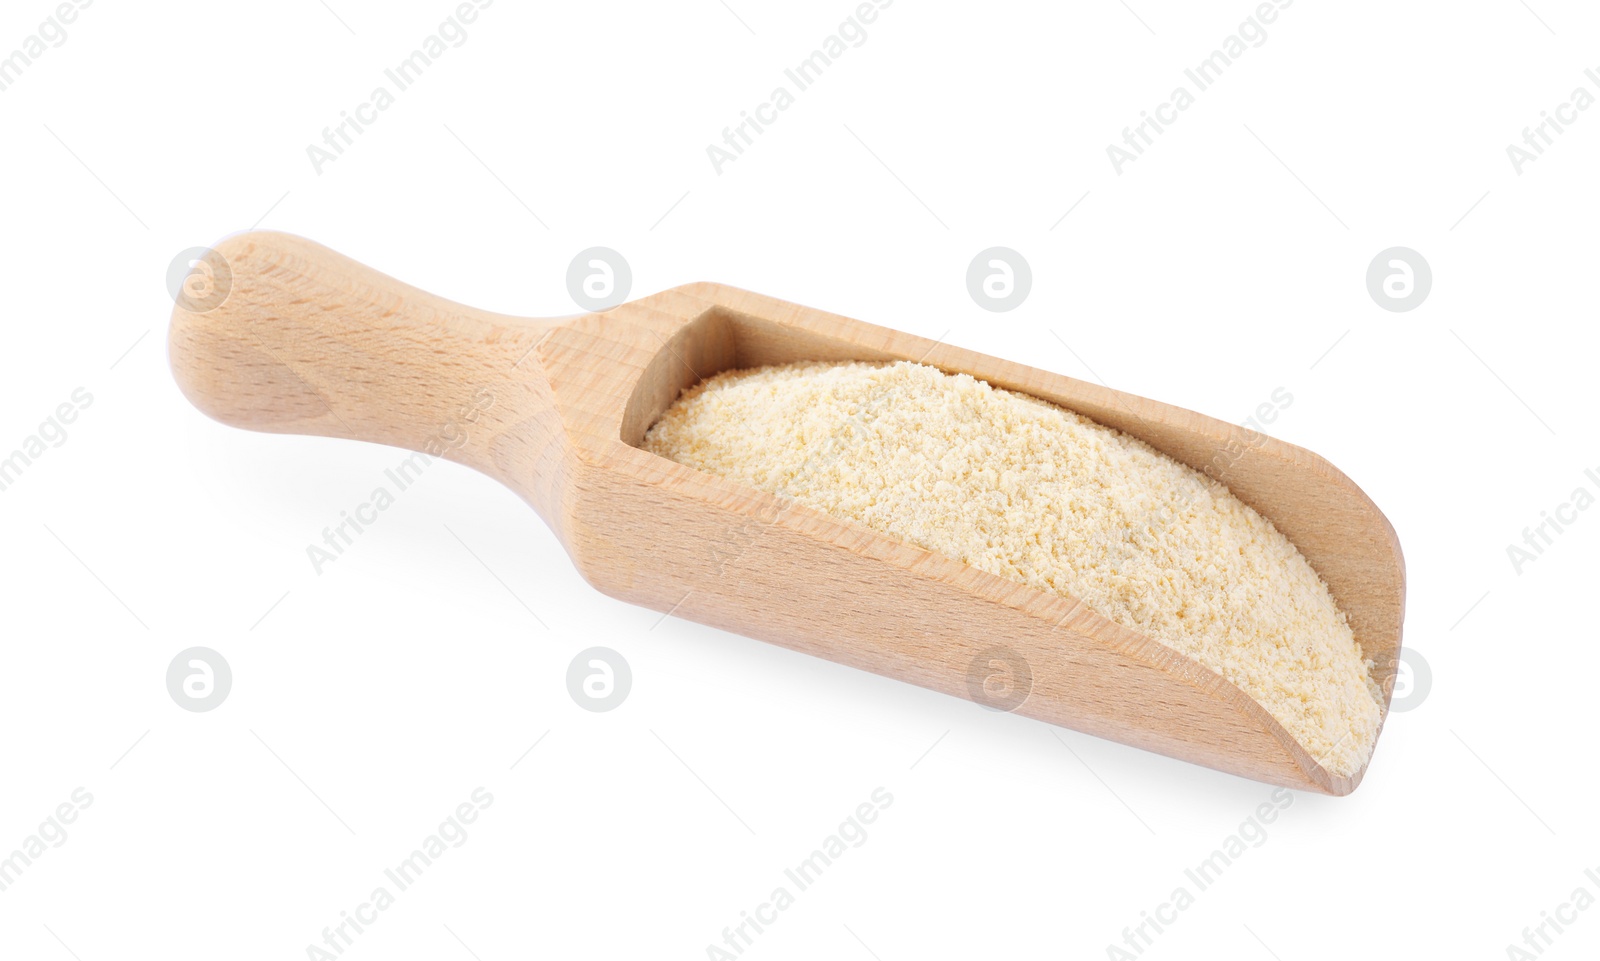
x: 1028, y: 491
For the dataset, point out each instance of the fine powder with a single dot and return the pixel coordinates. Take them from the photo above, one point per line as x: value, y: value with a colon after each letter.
x: 1032, y: 492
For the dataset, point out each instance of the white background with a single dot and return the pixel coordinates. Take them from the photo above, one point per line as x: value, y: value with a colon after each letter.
x: 370, y: 700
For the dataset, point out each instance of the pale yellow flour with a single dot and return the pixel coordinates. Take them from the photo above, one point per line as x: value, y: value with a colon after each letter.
x: 1029, y: 491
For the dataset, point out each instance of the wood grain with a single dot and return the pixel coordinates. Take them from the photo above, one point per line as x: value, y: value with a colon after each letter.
x: 311, y: 342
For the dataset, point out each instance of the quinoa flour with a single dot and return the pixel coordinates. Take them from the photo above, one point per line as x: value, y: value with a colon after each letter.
x: 1032, y: 492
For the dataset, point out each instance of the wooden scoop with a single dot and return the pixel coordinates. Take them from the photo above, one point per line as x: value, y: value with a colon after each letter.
x: 310, y: 342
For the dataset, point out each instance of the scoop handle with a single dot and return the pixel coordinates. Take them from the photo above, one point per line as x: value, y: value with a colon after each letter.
x: 276, y: 333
